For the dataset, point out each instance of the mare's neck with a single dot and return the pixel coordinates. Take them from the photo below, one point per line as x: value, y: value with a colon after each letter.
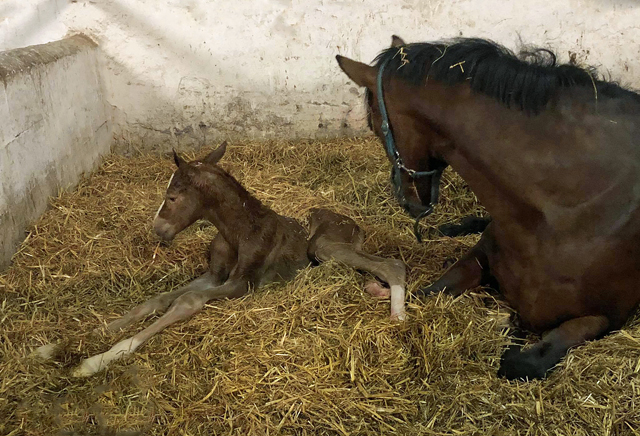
x: 527, y: 168
x: 455, y: 112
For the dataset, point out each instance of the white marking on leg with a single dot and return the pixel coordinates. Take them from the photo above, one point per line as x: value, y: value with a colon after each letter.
x: 158, y: 212
x: 99, y: 362
x: 397, y: 303
x: 168, y: 184
x: 46, y: 351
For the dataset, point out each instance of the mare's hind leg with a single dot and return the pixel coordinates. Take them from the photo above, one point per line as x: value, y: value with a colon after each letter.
x: 391, y: 271
x: 470, y: 271
x: 534, y: 362
x: 182, y: 308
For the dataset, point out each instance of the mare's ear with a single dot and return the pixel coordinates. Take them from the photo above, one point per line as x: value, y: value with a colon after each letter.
x: 213, y: 157
x: 362, y: 74
x: 396, y: 41
x: 177, y: 159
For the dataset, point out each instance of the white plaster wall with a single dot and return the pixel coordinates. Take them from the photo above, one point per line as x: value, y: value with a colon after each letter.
x: 182, y: 72
x: 54, y: 125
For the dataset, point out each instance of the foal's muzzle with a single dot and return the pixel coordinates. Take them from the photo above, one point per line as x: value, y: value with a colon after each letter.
x: 164, y: 229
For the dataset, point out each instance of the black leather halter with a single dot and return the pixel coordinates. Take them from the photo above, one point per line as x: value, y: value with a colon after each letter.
x: 398, y: 164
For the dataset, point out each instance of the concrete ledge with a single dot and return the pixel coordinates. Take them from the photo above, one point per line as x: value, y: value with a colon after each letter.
x: 54, y: 125
x: 21, y: 60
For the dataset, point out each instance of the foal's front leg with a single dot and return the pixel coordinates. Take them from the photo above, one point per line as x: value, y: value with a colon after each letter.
x: 159, y: 303
x: 183, y: 307
x: 223, y: 257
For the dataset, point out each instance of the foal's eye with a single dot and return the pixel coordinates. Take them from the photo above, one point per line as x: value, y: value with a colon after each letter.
x: 171, y: 198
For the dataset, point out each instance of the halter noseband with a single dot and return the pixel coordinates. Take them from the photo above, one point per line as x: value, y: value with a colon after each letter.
x: 398, y: 164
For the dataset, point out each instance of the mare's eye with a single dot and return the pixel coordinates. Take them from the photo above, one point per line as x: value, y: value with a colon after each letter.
x: 172, y: 198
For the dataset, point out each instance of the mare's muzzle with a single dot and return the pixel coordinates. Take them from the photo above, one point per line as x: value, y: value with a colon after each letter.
x: 418, y: 211
x: 425, y: 207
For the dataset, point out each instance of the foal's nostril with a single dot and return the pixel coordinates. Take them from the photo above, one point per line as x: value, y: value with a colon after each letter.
x: 163, y: 229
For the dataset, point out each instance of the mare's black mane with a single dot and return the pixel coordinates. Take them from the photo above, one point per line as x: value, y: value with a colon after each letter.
x: 526, y: 82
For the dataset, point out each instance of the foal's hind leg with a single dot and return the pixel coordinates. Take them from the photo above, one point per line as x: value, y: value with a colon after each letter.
x: 182, y: 308
x: 391, y: 271
x: 534, y: 362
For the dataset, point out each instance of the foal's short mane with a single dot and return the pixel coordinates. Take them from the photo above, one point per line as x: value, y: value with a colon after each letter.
x: 233, y: 188
x: 526, y: 82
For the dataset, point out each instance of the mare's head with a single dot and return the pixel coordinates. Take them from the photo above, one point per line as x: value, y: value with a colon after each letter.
x: 184, y: 203
x: 414, y: 141
x: 447, y: 74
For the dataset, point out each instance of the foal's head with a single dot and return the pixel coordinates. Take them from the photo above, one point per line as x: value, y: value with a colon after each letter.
x: 414, y: 140
x: 184, y: 203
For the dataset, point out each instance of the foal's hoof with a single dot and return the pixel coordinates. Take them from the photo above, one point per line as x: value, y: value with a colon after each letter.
x: 376, y: 290
x: 520, y: 365
x: 46, y: 352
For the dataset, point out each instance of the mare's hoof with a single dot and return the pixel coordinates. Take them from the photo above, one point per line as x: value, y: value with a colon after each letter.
x: 433, y: 290
x: 427, y: 292
x: 448, y: 263
x: 449, y: 230
x: 520, y: 365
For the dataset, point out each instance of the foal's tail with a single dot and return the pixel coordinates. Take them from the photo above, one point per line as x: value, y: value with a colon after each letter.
x: 469, y: 225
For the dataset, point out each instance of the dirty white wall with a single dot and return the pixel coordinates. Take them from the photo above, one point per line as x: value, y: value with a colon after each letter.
x: 182, y: 72
x: 54, y: 125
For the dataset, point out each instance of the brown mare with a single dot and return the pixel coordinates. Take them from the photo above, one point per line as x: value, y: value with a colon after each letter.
x: 553, y: 154
x: 254, y: 246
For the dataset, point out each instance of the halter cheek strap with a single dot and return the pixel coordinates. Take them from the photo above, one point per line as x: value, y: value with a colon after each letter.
x: 397, y: 162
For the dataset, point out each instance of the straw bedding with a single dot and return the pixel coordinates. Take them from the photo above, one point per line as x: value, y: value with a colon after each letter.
x: 316, y: 356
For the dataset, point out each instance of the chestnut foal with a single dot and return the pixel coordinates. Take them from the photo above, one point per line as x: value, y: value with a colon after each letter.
x: 254, y: 246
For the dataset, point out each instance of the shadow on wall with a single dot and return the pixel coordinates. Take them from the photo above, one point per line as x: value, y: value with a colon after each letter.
x: 33, y: 20
x: 182, y: 88
x: 195, y: 115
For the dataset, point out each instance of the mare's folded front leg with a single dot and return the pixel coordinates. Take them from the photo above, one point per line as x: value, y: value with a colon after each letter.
x: 470, y: 271
x: 182, y: 308
x: 535, y: 362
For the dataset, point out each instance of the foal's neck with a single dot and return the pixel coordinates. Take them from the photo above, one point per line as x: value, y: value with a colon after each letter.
x: 230, y: 207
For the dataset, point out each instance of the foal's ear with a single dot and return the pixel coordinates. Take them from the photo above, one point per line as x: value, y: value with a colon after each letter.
x: 396, y: 41
x: 362, y: 74
x: 213, y: 157
x: 177, y: 159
